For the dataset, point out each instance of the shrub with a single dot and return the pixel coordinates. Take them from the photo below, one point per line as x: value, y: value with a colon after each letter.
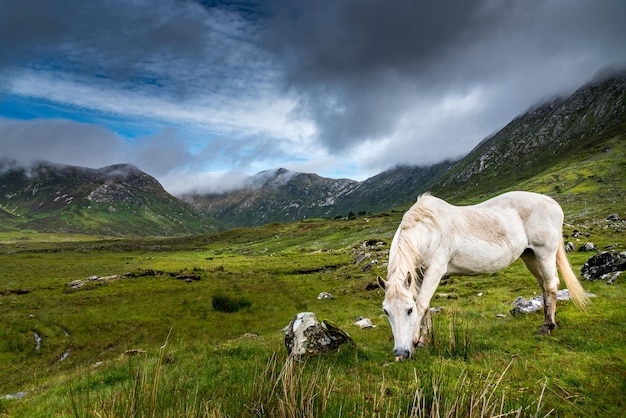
x: 224, y: 303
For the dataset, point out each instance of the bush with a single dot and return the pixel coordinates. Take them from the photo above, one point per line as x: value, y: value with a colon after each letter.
x: 223, y: 303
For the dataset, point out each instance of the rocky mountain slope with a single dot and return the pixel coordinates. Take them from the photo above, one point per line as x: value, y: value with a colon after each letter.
x: 284, y: 196
x: 560, y: 130
x: 275, y: 195
x: 114, y: 200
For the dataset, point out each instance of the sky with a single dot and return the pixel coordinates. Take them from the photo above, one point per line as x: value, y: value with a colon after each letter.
x: 202, y: 94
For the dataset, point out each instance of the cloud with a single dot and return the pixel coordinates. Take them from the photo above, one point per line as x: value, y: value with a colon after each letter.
x: 184, y: 88
x: 398, y: 76
x: 60, y: 141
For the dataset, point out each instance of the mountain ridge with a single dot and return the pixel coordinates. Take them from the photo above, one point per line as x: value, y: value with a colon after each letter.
x: 122, y: 200
x: 115, y: 200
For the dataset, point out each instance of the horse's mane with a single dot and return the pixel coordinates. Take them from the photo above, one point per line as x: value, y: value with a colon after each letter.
x: 407, y: 258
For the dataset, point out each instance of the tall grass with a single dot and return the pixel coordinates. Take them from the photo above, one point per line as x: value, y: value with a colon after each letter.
x: 293, y: 388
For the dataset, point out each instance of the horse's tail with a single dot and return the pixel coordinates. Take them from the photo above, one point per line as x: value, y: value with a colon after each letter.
x: 576, y: 291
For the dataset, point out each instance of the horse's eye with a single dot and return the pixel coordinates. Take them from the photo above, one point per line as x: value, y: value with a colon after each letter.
x: 410, y: 311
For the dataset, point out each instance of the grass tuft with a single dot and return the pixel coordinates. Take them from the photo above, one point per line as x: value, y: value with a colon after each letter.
x: 228, y: 304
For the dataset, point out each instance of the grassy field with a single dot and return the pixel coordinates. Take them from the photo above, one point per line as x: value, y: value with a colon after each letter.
x: 148, y: 342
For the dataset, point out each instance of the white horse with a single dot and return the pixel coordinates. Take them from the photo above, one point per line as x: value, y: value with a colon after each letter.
x: 436, y: 239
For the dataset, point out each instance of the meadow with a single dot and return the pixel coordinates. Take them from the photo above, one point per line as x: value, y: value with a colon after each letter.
x: 149, y: 342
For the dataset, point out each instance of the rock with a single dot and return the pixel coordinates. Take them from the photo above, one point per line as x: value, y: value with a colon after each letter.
x: 306, y: 335
x: 613, y: 277
x: 447, y: 296
x: 523, y: 306
x: 325, y: 295
x: 134, y: 352
x: 603, y: 264
x: 569, y: 247
x: 18, y: 395
x: 500, y: 315
x: 372, y: 286
x: 614, y: 217
x: 76, y: 284
x: 369, y: 265
x: 588, y: 247
x: 364, y: 323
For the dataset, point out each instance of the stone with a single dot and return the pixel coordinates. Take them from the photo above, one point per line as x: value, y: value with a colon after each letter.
x: 602, y: 265
x: 372, y: 286
x: 523, y: 306
x: 307, y: 336
x: 613, y: 217
x: 76, y: 284
x: 325, y: 295
x: 613, y: 277
x: 369, y: 265
x: 364, y: 323
x: 590, y: 246
x: 569, y: 247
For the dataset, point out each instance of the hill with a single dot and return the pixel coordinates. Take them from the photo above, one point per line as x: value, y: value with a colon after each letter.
x: 115, y: 200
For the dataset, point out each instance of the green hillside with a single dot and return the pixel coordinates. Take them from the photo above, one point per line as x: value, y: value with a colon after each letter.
x: 117, y: 200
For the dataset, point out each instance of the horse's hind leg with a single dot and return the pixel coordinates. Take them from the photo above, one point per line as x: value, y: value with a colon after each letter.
x: 544, y: 270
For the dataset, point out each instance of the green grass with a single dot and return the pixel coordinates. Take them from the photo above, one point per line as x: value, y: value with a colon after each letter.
x: 194, y: 360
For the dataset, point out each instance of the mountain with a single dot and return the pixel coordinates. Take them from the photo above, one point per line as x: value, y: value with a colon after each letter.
x: 274, y: 195
x: 538, y: 150
x: 114, y: 200
x: 284, y: 196
x: 558, y: 131
x: 562, y: 129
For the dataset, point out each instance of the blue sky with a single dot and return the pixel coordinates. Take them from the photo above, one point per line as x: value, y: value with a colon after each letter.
x: 201, y: 94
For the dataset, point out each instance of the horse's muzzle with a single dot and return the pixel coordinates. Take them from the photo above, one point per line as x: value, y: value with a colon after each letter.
x: 401, y: 354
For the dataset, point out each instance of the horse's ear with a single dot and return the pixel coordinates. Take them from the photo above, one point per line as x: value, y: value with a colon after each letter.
x: 382, y: 283
x: 407, y: 282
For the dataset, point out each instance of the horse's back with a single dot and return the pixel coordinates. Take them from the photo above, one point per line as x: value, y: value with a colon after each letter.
x: 540, y: 215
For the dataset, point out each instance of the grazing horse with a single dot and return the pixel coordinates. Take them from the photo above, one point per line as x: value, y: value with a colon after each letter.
x: 436, y: 239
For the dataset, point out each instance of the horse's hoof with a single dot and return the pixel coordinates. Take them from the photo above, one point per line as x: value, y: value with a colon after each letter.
x: 546, y: 330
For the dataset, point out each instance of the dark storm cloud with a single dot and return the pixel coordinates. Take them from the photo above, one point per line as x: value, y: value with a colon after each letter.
x: 33, y: 29
x: 361, y: 66
x: 179, y: 46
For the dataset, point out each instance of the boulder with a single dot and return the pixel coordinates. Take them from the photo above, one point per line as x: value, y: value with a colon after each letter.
x: 523, y: 306
x: 604, y: 266
x: 590, y: 246
x: 306, y: 335
x: 613, y: 217
x: 325, y: 295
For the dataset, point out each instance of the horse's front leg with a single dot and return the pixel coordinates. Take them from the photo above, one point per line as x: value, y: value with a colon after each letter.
x: 422, y: 332
x: 425, y: 335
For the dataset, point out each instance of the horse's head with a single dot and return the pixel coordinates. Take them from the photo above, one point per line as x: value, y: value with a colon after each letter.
x: 400, y: 308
